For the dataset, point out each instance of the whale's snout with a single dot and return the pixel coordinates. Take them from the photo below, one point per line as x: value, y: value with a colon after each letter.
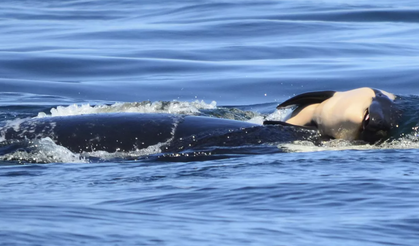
x: 380, y: 118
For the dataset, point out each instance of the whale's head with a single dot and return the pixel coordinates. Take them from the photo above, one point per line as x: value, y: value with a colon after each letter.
x: 380, y: 118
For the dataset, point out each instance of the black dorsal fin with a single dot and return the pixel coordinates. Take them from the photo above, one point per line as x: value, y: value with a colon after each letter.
x: 308, y: 98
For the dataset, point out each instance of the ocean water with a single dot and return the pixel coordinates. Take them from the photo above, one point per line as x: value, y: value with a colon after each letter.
x: 218, y: 58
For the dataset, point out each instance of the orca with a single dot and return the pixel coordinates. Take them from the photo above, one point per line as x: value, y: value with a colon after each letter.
x: 360, y: 114
x: 126, y: 132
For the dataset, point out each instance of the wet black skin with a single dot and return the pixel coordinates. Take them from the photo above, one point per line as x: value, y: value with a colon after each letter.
x: 381, y: 118
x: 132, y: 131
x: 117, y: 131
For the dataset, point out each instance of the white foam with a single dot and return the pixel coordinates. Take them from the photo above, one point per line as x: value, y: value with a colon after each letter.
x: 408, y: 142
x: 257, y: 120
x: 15, y: 124
x: 330, y: 145
x: 277, y: 115
x: 104, y: 155
x: 44, y: 151
x: 280, y: 115
x: 174, y: 107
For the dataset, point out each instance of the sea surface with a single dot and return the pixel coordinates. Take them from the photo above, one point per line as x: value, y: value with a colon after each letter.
x: 219, y: 58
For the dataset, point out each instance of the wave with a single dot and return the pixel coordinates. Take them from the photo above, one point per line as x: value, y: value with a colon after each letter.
x: 408, y: 142
x: 174, y: 107
x: 43, y: 150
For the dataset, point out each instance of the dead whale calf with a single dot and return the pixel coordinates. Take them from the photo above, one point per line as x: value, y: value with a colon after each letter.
x: 360, y: 114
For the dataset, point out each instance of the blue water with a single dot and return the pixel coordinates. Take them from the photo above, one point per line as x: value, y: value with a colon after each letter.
x: 233, y: 59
